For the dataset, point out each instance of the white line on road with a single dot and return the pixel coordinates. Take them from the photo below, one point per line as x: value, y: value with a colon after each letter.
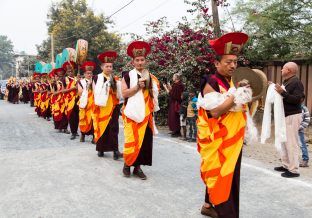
x: 263, y: 170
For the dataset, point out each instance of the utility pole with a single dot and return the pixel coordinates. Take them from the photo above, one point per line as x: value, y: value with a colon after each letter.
x: 52, y: 48
x: 215, y: 17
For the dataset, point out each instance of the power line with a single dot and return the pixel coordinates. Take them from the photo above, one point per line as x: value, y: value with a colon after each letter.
x: 144, y: 15
x: 96, y: 25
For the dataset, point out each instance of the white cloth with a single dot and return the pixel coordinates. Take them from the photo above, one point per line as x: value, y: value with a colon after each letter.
x: 101, y: 91
x: 135, y: 108
x: 155, y: 96
x: 84, y: 95
x: 119, y: 94
x: 251, y: 132
x: 242, y: 95
x: 275, y: 98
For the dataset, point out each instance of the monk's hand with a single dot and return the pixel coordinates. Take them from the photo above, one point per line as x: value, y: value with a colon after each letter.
x: 279, y: 89
x: 141, y: 83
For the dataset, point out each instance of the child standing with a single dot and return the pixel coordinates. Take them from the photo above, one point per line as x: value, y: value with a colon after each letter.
x: 304, y: 124
x: 192, y: 116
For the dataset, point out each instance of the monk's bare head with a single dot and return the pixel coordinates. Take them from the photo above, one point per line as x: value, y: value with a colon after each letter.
x: 289, y: 69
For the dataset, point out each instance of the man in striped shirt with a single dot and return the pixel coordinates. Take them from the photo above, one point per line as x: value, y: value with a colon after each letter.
x: 304, y: 124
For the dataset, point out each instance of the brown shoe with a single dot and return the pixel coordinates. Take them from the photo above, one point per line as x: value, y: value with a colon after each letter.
x: 126, y: 171
x: 304, y: 163
x: 82, y: 138
x: 139, y: 173
x: 211, y: 212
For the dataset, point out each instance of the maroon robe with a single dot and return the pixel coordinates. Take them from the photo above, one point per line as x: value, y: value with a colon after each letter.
x: 174, y: 105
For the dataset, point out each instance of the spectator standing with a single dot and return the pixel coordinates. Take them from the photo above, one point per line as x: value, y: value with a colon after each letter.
x: 192, y: 116
x: 304, y: 124
x: 175, y: 92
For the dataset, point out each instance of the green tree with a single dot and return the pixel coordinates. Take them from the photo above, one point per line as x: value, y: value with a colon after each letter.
x: 6, y: 57
x: 27, y: 66
x: 277, y: 28
x: 71, y: 20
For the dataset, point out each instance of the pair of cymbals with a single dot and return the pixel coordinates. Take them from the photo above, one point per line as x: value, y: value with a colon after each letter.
x: 256, y: 79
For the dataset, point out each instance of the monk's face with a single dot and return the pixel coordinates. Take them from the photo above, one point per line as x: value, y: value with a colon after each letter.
x: 107, y: 68
x: 56, y: 77
x: 69, y: 71
x: 226, y: 65
x: 88, y: 75
x: 139, y: 63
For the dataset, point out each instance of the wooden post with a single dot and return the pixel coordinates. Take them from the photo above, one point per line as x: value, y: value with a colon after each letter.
x: 215, y: 16
x: 52, y: 48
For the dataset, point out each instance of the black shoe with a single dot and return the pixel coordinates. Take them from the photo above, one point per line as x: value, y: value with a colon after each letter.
x: 82, y: 138
x: 139, y: 173
x: 66, y: 131
x: 288, y: 174
x: 117, y: 155
x: 100, y: 154
x: 175, y: 135
x: 72, y: 137
x: 76, y: 134
x: 126, y: 171
x: 280, y: 169
x: 211, y: 212
x: 48, y: 119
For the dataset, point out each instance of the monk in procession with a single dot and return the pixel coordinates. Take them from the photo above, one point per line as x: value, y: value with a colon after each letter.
x: 36, y: 91
x: 45, y: 101
x: 59, y: 115
x: 86, y: 101
x: 139, y: 89
x: 221, y: 131
x: 71, y: 98
x: 52, y: 97
x: 106, y: 89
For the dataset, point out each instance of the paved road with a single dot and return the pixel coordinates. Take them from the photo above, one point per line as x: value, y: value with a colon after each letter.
x: 44, y: 174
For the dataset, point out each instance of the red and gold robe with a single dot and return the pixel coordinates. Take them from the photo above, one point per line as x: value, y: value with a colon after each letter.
x: 85, y: 115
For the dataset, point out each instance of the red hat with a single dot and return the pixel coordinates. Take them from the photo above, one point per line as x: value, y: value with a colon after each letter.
x: 108, y: 57
x: 57, y: 71
x: 230, y: 43
x: 138, y: 48
x: 36, y: 74
x: 43, y: 74
x: 88, y: 65
x: 69, y: 64
x: 52, y: 74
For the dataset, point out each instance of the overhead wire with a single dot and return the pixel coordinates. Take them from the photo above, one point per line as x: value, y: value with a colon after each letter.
x: 89, y: 28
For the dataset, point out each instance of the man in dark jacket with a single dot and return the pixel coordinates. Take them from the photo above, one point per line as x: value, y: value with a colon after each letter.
x: 292, y: 91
